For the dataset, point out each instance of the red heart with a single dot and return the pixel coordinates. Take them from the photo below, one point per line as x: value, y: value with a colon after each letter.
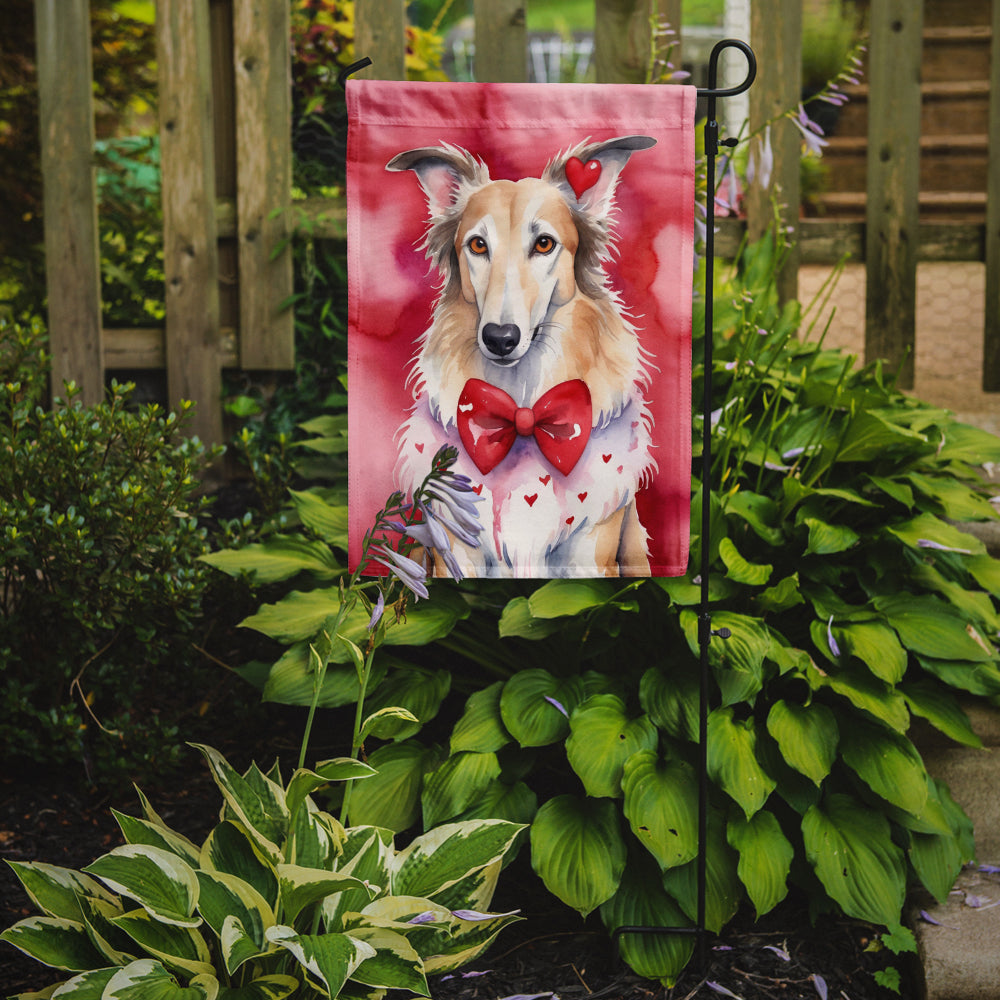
x: 478, y: 489
x: 570, y: 520
x: 582, y: 176
x: 419, y: 448
x: 621, y: 469
x: 581, y: 497
x: 530, y: 500
x: 607, y: 458
x: 544, y: 480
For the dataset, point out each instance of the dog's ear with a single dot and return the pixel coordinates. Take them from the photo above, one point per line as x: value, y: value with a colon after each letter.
x: 441, y: 170
x: 588, y: 173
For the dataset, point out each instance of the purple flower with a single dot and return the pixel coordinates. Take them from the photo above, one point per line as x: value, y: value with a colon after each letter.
x: 558, y: 705
x: 377, y: 611
x: 820, y: 983
x: 411, y: 574
x: 761, y: 163
x: 780, y: 952
x: 427, y: 917
x: 927, y: 543
x: 719, y: 988
x: 834, y: 648
x: 475, y: 915
x: 812, y: 134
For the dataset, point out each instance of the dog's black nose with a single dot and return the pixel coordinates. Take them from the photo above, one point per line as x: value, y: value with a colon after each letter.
x: 500, y: 339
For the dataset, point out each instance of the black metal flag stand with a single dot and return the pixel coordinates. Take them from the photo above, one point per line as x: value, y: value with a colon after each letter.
x: 705, y: 631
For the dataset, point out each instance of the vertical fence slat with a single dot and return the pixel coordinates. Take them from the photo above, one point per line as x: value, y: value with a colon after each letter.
x: 776, y: 34
x: 190, y: 253
x: 72, y: 257
x: 669, y: 12
x: 621, y: 40
x: 892, y: 215
x: 991, y: 332
x: 380, y: 34
x: 501, y: 41
x: 261, y: 57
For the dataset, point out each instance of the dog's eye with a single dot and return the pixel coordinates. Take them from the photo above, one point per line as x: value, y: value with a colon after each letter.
x: 478, y: 246
x: 544, y: 244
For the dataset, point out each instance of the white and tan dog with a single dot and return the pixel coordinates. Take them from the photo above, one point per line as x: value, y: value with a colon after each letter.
x: 530, y: 366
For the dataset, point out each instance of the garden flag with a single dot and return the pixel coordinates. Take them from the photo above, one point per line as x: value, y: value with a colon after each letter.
x: 520, y: 276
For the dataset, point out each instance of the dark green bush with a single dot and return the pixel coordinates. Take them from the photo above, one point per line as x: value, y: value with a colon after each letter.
x: 100, y: 587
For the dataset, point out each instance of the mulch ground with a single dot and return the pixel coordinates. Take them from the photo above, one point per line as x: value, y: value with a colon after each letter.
x: 550, y: 953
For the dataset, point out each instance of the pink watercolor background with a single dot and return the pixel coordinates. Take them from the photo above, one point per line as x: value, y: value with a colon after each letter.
x: 516, y: 129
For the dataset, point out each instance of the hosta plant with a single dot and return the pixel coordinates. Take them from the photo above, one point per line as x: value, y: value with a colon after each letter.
x: 279, y: 900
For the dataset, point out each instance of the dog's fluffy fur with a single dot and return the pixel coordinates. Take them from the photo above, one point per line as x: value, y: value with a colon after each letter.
x: 525, y: 304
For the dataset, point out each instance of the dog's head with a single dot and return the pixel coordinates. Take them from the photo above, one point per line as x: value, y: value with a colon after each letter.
x: 519, y: 250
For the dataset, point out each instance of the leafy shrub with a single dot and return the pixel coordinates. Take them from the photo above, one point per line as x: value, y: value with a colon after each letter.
x: 279, y: 899
x: 855, y: 604
x: 99, y: 539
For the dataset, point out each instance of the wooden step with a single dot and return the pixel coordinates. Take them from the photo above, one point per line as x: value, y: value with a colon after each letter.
x: 958, y: 206
x: 956, y: 53
x: 946, y: 12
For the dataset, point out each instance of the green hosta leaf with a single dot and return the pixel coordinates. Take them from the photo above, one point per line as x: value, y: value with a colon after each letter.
x: 54, y: 941
x: 807, y: 736
x: 866, y: 692
x: 965, y: 443
x: 417, y: 690
x: 141, y: 831
x: 870, y: 435
x: 888, y: 763
x: 931, y: 628
x: 937, y: 859
x: 275, y: 987
x: 976, y: 678
x: 180, y: 948
x: 738, y: 661
x: 850, y: 847
x: 325, y: 519
x: 683, y: 592
x: 516, y: 803
x: 765, y: 858
x: 230, y: 849
x: 535, y: 706
x: 723, y: 889
x: 456, y: 784
x: 304, y: 782
x: 438, y: 859
x: 783, y: 595
x: 159, y: 881
x: 876, y: 646
x: 893, y: 488
x: 671, y: 700
x: 578, y: 851
x: 957, y: 501
x: 391, y: 798
x: 941, y: 709
x: 758, y: 511
x: 395, y: 964
x: 986, y: 572
x: 481, y: 728
x: 279, y: 558
x: 517, y: 620
x: 602, y: 738
x: 147, y: 979
x: 292, y: 680
x: 739, y: 569
x: 560, y: 598
x: 641, y: 901
x: 975, y: 605
x: 56, y: 891
x: 260, y: 809
x: 387, y: 723
x: 330, y: 959
x: 927, y: 528
x: 732, y: 760
x: 301, y: 887
x: 828, y: 539
x: 226, y: 898
x: 661, y: 798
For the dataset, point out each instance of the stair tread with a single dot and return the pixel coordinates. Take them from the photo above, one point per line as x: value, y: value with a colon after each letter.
x: 933, y: 88
x: 846, y: 145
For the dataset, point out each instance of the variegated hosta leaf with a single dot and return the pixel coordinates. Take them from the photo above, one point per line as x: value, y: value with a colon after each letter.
x: 98, y: 915
x: 367, y: 853
x: 391, y: 799
x: 230, y: 849
x: 395, y: 964
x: 850, y: 847
x: 141, y: 831
x: 807, y: 736
x: 661, y: 799
x: 765, y: 858
x: 481, y: 727
x: 315, y: 838
x: 329, y: 959
x: 535, y: 706
x: 456, y: 784
x: 158, y: 880
x: 304, y: 782
x: 86, y: 986
x: 225, y: 897
x: 301, y: 887
x: 723, y: 889
x: 578, y: 851
x: 732, y: 760
x: 177, y: 947
x: 56, y: 891
x: 466, y: 941
x: 256, y: 801
x: 642, y: 902
x: 147, y: 979
x: 274, y: 987
x: 602, y: 737
x: 54, y: 941
x: 888, y: 763
x: 441, y: 857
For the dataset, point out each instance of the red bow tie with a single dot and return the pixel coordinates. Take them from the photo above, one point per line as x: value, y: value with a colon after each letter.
x: 489, y: 422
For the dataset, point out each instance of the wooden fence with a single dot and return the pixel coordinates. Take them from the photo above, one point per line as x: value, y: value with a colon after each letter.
x: 226, y: 160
